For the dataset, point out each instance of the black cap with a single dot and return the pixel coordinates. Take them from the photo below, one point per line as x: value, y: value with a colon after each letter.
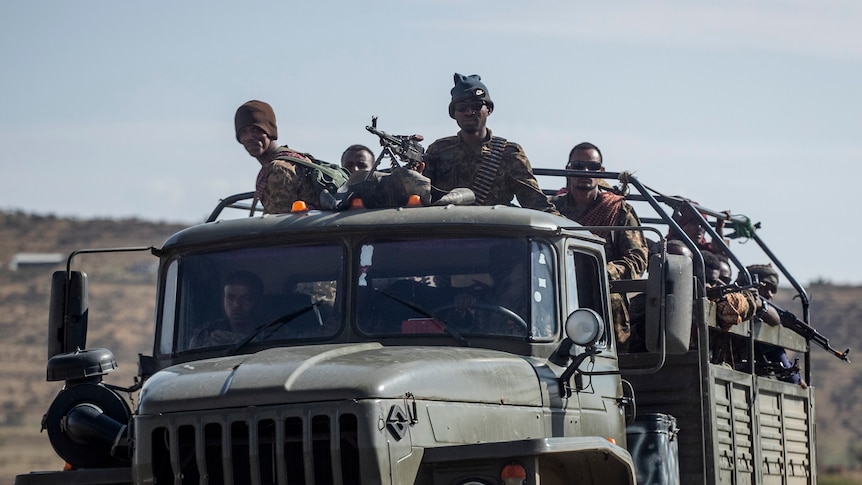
x: 468, y: 88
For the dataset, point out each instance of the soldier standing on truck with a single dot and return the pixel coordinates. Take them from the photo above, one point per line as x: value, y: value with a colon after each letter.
x: 495, y: 169
x: 590, y: 204
x: 279, y: 182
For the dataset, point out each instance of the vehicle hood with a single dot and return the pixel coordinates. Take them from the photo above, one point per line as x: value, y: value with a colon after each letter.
x: 343, y: 372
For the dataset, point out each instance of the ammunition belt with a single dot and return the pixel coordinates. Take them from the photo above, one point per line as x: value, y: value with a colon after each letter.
x: 484, y: 178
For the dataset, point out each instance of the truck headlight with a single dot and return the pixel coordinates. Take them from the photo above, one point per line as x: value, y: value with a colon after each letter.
x: 585, y: 327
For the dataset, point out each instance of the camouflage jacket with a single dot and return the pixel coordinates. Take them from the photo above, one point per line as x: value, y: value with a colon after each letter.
x: 451, y: 163
x: 626, y: 250
x: 280, y: 183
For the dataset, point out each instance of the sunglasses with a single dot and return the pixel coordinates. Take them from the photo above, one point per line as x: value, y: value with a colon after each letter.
x: 471, y: 106
x: 584, y: 165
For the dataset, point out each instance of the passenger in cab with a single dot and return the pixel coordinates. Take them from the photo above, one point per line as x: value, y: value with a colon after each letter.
x: 281, y: 181
x: 589, y: 203
x: 494, y: 168
x: 242, y: 302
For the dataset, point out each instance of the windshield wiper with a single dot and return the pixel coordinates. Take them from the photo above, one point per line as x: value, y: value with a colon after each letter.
x: 275, y: 325
x: 446, y: 327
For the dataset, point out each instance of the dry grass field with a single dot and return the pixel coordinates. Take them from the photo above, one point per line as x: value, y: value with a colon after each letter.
x: 122, y: 292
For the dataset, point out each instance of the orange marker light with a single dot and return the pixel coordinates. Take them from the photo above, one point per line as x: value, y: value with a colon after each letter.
x: 414, y: 201
x: 513, y: 474
x: 357, y: 203
x: 299, y: 206
x: 612, y: 440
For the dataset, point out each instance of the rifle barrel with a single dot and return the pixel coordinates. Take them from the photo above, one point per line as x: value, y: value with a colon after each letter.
x: 811, y: 334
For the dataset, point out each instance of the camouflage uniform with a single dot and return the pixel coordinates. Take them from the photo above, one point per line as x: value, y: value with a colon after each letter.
x: 731, y: 310
x: 626, y: 250
x: 451, y: 163
x: 280, y: 183
x: 214, y: 333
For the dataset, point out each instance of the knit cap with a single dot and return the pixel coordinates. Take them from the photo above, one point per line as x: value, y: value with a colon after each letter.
x: 469, y: 88
x: 256, y: 113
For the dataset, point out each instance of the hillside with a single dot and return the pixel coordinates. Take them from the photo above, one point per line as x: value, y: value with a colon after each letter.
x: 122, y: 292
x: 122, y: 296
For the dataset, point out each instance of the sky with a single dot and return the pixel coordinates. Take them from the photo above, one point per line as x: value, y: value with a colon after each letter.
x: 125, y: 109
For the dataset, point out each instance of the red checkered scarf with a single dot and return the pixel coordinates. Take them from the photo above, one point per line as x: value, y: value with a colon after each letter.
x: 604, y: 211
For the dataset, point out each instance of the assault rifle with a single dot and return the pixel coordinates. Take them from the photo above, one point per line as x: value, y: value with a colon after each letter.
x: 403, y: 148
x: 785, y: 318
x: 792, y: 322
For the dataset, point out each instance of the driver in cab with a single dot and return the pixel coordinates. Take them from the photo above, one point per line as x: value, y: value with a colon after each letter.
x: 498, y: 308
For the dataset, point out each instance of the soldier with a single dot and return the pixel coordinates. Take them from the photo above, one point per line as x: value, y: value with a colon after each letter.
x: 494, y: 168
x: 768, y: 278
x: 590, y: 203
x: 242, y: 302
x: 357, y: 157
x: 279, y: 182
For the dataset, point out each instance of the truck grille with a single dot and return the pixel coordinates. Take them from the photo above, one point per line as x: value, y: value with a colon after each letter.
x: 257, y: 448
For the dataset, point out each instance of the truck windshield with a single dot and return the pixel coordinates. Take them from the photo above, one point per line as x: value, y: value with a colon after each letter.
x: 478, y: 286
x: 274, y: 293
x: 284, y: 295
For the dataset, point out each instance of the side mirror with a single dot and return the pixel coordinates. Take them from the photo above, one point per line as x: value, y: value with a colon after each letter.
x: 67, y: 313
x: 669, y: 300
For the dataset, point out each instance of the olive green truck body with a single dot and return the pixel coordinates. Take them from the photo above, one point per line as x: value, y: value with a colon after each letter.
x: 370, y: 370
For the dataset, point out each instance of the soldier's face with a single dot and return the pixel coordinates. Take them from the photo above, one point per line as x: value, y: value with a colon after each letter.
x: 471, y: 116
x: 725, y: 273
x: 693, y: 231
x: 240, y: 306
x: 357, y: 160
x: 255, y: 140
x: 584, y: 159
x: 713, y: 276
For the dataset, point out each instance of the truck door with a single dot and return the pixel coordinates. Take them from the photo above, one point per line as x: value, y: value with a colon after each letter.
x: 586, y: 287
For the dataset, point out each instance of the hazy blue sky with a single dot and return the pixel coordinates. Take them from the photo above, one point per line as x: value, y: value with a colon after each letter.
x: 121, y: 108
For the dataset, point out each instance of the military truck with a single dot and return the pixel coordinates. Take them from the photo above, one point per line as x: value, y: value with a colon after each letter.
x: 445, y: 344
